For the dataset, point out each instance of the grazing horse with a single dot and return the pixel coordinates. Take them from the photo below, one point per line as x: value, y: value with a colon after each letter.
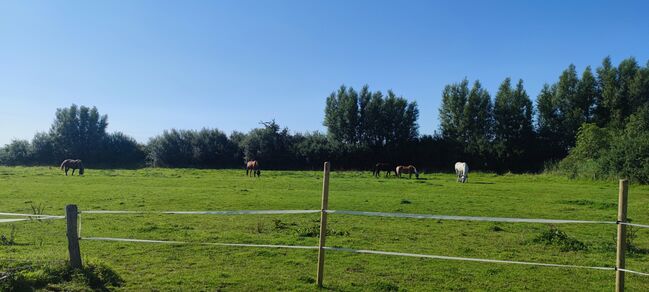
x: 72, y: 163
x: 462, y: 171
x: 252, y: 168
x: 410, y: 169
x: 387, y: 167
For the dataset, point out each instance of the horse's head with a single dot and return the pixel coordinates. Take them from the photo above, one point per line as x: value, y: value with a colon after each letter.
x: 258, y: 172
x: 81, y: 171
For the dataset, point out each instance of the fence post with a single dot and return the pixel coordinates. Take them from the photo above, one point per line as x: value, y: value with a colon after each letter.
x: 71, y: 214
x: 621, y: 234
x: 323, y: 224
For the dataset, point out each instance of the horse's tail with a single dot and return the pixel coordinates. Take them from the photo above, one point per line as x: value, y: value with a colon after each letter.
x: 63, y: 164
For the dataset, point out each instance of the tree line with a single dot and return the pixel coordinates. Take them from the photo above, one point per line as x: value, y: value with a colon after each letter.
x: 508, y: 132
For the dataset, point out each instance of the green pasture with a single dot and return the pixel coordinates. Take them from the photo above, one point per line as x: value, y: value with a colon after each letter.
x: 160, y: 267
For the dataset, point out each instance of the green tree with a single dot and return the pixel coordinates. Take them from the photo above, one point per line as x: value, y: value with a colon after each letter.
x: 342, y: 115
x: 451, y: 112
x: 607, y: 83
x: 549, y: 124
x: 271, y: 145
x: 587, y: 94
x: 513, y: 131
x: 639, y: 89
x: 18, y: 152
x: 570, y: 108
x: 77, y: 132
x: 477, y: 123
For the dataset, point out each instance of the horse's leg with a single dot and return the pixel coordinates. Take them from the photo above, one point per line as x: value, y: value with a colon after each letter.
x: 73, y: 171
x: 66, y: 171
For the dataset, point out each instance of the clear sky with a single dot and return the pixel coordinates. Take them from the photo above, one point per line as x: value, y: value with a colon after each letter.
x: 155, y: 65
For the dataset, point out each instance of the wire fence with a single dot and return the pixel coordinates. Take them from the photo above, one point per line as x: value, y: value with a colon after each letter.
x: 363, y: 251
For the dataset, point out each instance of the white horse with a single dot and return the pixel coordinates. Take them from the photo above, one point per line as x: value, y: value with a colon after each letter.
x: 462, y: 171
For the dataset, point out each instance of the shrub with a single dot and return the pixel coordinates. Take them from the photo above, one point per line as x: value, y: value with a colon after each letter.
x: 58, y: 277
x: 556, y: 237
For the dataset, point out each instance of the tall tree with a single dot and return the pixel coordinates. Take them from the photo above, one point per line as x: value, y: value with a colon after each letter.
x: 549, y: 123
x: 78, y: 132
x: 639, y: 89
x: 587, y: 94
x: 627, y: 70
x: 607, y: 83
x: 451, y: 113
x: 342, y: 115
x: 569, y: 112
x: 477, y: 123
x: 370, y: 119
x: 513, y: 131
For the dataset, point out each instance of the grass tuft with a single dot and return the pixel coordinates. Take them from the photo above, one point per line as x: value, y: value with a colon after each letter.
x: 554, y: 236
x: 27, y: 276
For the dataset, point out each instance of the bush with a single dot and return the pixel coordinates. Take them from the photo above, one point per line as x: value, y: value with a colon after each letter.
x: 18, y: 152
x: 556, y: 237
x: 606, y: 153
x: 58, y: 277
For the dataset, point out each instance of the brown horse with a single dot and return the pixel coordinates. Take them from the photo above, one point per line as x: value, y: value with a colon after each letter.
x: 72, y: 163
x: 410, y: 169
x: 387, y: 167
x: 252, y: 168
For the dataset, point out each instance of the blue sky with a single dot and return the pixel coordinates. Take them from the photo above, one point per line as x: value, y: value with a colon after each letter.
x: 155, y: 65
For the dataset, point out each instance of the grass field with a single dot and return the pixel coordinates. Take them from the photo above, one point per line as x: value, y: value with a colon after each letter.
x: 194, y: 267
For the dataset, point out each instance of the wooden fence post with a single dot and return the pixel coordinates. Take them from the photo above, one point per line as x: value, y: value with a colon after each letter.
x: 71, y: 214
x: 323, y: 224
x: 621, y: 234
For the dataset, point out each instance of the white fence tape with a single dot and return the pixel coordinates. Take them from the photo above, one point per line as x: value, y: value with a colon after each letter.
x: 12, y: 220
x: 634, y: 224
x: 635, y: 272
x: 31, y: 217
x: 465, y: 259
x: 353, y: 251
x: 467, y: 218
x: 27, y: 215
x: 364, y: 213
x: 236, y: 212
x: 198, y: 243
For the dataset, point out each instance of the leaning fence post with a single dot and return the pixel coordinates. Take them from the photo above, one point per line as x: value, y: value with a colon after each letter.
x: 323, y: 224
x: 71, y: 214
x: 621, y: 234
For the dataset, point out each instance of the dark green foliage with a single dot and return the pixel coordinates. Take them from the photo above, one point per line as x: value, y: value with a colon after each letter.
x: 496, y: 228
x: 467, y: 123
x: 188, y: 148
x: 77, y: 133
x: 370, y: 119
x: 513, y: 130
x: 58, y: 277
x: 451, y: 113
x: 120, y: 150
x: 609, y: 152
x: 18, y: 152
x: 554, y: 236
x: 270, y: 145
x: 9, y: 239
